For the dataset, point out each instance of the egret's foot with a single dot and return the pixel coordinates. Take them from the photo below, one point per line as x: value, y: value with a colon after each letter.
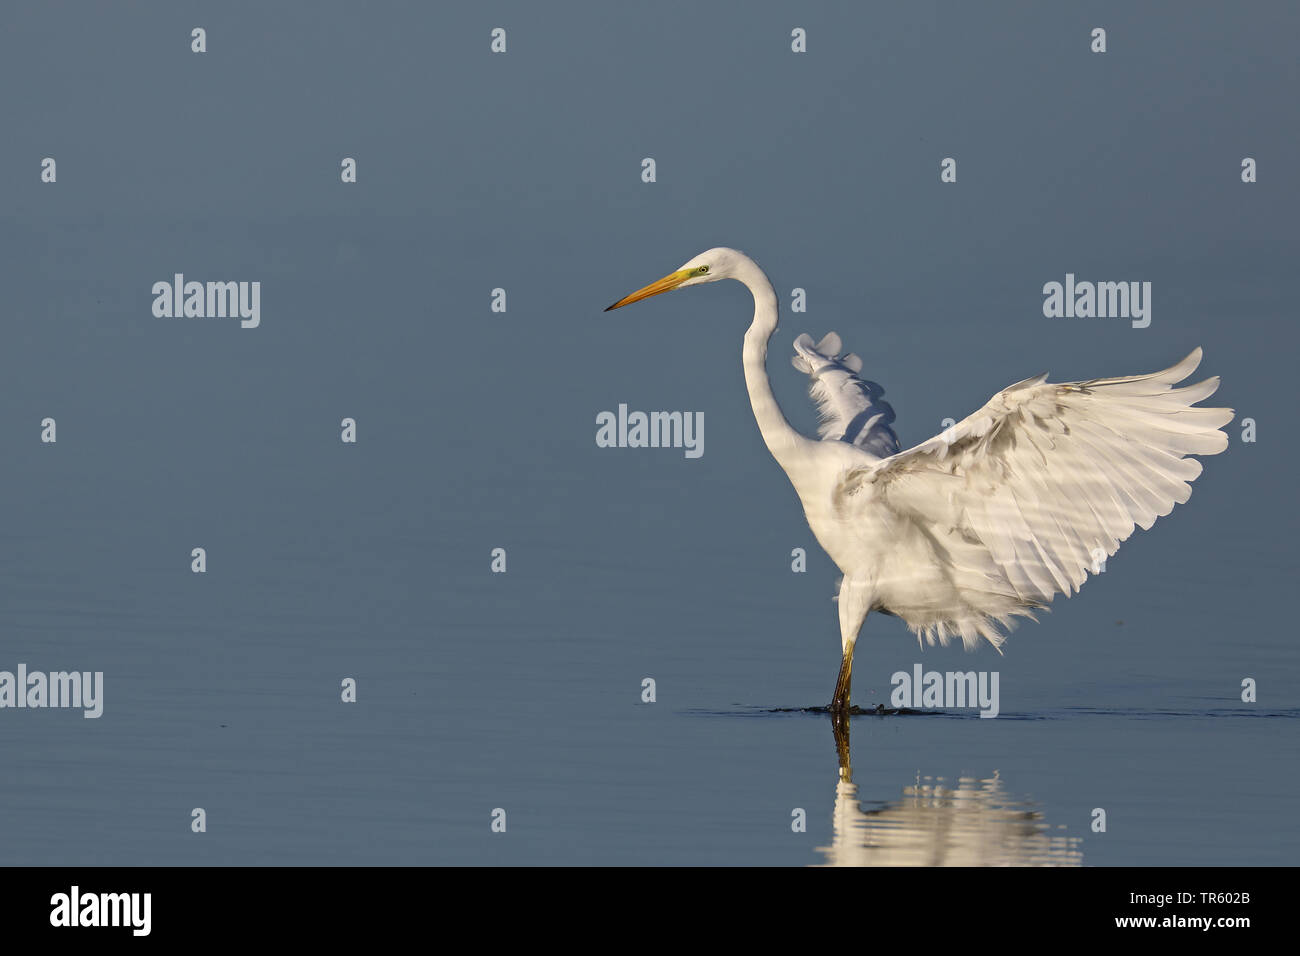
x: 839, y: 713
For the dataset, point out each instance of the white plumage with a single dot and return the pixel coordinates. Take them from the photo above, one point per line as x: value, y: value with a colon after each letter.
x: 993, y: 517
x: 1019, y: 501
x: 851, y: 408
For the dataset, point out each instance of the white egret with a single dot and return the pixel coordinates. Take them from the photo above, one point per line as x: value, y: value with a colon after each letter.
x: 993, y: 517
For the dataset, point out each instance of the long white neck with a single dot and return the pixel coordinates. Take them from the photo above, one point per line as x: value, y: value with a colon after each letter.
x: 781, y: 439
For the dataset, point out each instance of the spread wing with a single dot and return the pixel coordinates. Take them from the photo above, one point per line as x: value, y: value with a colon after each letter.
x: 1043, y: 481
x: 851, y: 408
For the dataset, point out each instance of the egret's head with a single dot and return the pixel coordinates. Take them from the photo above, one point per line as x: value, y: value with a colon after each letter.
x: 708, y: 266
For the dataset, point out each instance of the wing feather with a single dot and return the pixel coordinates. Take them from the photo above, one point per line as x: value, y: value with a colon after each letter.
x: 1040, y: 482
x: 851, y: 408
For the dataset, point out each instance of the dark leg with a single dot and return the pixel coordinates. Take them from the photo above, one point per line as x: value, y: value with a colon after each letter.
x: 840, y: 702
x: 854, y: 600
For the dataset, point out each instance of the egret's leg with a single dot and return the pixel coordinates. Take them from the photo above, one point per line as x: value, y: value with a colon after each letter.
x: 854, y: 600
x: 840, y: 701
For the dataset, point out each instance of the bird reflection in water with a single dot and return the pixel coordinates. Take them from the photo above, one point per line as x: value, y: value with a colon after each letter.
x: 970, y: 823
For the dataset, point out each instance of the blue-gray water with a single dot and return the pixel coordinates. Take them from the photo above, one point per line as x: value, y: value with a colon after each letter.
x: 476, y: 429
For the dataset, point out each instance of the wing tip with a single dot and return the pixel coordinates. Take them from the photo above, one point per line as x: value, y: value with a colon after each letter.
x: 831, y: 345
x: 1190, y: 363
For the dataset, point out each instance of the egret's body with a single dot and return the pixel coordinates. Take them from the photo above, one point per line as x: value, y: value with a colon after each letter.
x: 988, y: 520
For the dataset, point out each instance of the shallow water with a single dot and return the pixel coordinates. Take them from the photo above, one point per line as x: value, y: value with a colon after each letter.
x: 522, y: 691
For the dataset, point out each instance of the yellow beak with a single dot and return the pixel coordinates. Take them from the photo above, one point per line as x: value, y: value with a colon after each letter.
x: 666, y: 284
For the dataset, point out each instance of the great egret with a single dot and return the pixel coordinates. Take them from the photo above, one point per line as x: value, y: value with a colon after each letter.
x: 991, y: 518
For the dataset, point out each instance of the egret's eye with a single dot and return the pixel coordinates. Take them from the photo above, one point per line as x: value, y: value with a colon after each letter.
x: 701, y: 270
